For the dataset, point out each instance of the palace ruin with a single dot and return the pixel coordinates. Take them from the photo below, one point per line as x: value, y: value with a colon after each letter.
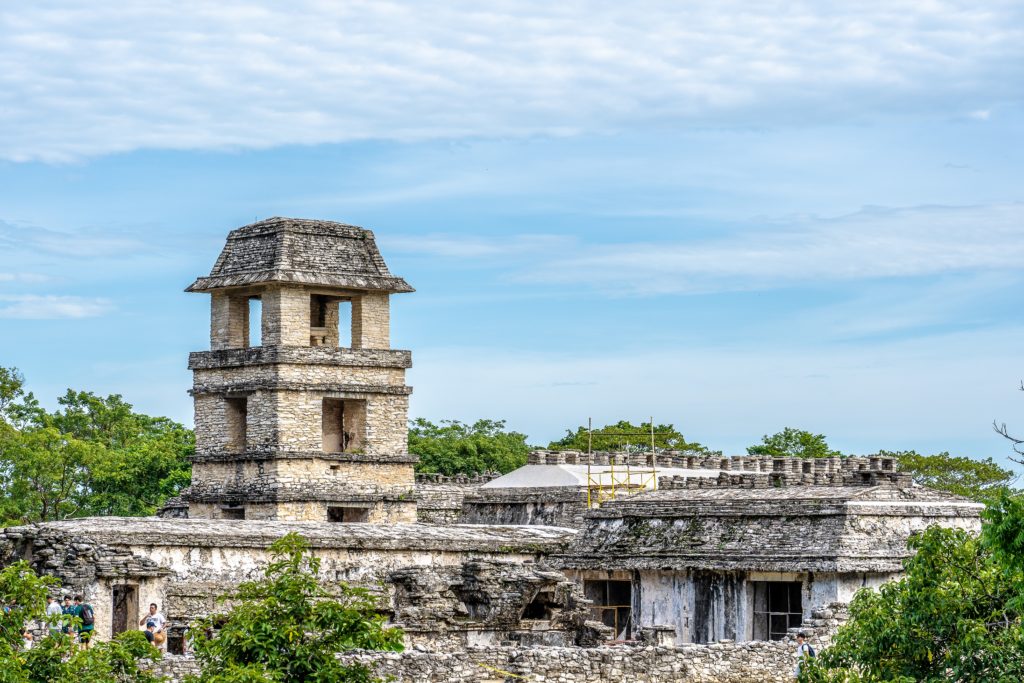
x: 702, y: 573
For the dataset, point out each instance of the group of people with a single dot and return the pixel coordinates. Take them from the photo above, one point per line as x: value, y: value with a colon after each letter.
x: 82, y: 627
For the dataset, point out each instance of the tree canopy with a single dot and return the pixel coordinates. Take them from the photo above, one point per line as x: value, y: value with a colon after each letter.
x: 92, y: 456
x: 793, y: 442
x: 625, y: 436
x: 453, y: 447
x: 977, y: 479
x: 288, y: 627
x: 955, y: 616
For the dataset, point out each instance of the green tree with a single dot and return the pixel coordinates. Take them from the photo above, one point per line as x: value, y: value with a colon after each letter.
x: 56, y: 657
x: 93, y: 456
x: 977, y: 479
x: 453, y: 447
x: 793, y: 442
x: 955, y: 616
x: 288, y: 627
x: 625, y: 436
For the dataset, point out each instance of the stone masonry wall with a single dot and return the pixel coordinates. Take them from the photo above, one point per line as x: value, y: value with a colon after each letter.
x: 439, y: 498
x: 371, y: 321
x: 761, y: 662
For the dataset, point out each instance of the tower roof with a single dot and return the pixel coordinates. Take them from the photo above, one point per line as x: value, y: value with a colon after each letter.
x: 301, y: 251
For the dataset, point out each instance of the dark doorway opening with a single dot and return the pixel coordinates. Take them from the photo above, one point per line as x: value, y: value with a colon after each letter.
x: 778, y: 607
x: 613, y: 605
x: 125, y: 609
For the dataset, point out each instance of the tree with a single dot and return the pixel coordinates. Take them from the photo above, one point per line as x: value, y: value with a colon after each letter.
x: 454, y: 447
x: 287, y: 627
x: 955, y: 616
x: 93, y: 455
x: 625, y: 436
x: 793, y: 442
x: 56, y: 657
x: 977, y: 479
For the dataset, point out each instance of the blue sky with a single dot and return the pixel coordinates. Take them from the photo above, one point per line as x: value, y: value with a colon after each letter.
x: 732, y: 216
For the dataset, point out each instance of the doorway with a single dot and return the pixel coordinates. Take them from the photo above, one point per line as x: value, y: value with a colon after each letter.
x: 125, y: 610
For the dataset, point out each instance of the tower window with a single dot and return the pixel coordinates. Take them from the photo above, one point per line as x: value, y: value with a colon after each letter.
x: 344, y: 425
x: 348, y: 515
x: 254, y: 321
x: 325, y: 314
x: 236, y: 415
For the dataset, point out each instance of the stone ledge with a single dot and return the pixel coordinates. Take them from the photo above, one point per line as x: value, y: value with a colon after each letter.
x: 325, y: 387
x: 244, y: 496
x: 299, y: 355
x: 263, y: 456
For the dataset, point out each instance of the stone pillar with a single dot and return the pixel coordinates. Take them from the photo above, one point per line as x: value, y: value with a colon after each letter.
x: 371, y: 322
x: 229, y: 321
x: 285, y: 317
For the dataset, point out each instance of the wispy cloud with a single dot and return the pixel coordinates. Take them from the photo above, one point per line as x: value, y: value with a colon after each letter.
x: 473, y: 247
x: 85, y: 243
x: 81, y: 79
x: 33, y: 278
x: 44, y: 307
x: 872, y: 243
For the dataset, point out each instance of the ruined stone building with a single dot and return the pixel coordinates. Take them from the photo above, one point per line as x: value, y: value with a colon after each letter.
x: 716, y: 561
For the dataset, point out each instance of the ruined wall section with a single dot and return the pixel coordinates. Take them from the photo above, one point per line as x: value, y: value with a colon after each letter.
x: 563, y: 506
x: 439, y: 497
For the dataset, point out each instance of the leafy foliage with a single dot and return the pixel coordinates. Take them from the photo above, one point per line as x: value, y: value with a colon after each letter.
x: 287, y: 627
x: 955, y: 616
x: 453, y: 447
x: 793, y: 442
x: 977, y: 479
x: 56, y: 657
x: 92, y: 456
x: 625, y: 436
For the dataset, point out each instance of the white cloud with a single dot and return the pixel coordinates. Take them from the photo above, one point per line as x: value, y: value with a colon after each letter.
x: 81, y: 78
x: 23, y: 277
x: 474, y: 247
x: 46, y: 307
x: 872, y: 243
x: 84, y: 243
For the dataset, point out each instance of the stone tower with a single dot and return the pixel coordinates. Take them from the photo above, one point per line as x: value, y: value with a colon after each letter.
x: 303, y: 424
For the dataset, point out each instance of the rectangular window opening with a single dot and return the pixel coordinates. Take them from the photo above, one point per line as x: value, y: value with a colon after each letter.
x: 329, y: 320
x: 348, y: 515
x: 237, y: 417
x: 255, y: 322
x: 343, y: 425
x: 613, y: 605
x: 778, y: 607
x: 232, y: 513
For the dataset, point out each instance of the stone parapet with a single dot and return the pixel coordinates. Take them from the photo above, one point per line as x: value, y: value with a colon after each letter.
x: 676, y: 459
x: 762, y: 472
x: 328, y: 389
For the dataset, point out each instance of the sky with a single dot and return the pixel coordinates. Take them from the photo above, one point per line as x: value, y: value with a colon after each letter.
x: 731, y: 216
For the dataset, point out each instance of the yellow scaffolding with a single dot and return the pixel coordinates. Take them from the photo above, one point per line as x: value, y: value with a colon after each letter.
x: 617, y: 482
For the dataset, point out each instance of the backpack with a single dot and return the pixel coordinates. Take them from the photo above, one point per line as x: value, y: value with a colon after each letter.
x: 809, y: 653
x: 88, y: 618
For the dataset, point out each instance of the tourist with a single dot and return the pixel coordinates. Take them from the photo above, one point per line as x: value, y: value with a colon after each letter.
x: 26, y: 640
x: 68, y: 610
x: 87, y: 617
x: 149, y: 632
x: 804, y: 652
x: 159, y: 622
x: 53, y: 614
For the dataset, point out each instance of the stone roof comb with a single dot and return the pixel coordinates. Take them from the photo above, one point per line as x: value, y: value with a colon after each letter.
x: 301, y: 251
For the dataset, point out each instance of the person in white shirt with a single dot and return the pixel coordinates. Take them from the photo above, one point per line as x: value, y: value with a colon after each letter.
x: 53, y: 612
x: 159, y: 620
x: 804, y: 652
